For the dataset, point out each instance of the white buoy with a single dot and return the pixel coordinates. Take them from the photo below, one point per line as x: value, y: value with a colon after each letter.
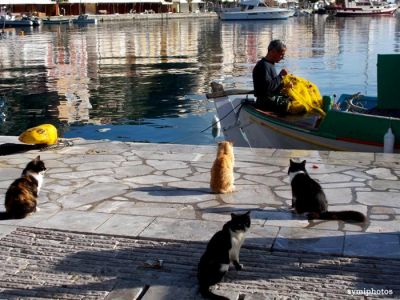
x: 388, y: 141
x: 216, y: 127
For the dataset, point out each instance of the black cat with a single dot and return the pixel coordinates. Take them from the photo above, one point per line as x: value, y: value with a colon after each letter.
x: 222, y: 249
x: 308, y: 197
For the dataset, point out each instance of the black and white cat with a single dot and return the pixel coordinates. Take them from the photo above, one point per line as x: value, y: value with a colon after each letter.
x: 222, y: 249
x: 308, y: 197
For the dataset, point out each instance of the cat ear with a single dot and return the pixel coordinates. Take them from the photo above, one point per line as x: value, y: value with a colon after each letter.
x: 233, y: 215
x: 37, y: 158
x: 303, y: 162
x: 247, y: 213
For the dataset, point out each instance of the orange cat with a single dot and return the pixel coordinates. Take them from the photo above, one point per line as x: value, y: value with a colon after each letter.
x: 222, y: 170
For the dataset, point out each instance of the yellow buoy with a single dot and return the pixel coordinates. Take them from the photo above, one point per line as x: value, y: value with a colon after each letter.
x: 42, y: 134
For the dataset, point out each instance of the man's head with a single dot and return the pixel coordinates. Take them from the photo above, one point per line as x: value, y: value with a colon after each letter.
x: 276, y: 51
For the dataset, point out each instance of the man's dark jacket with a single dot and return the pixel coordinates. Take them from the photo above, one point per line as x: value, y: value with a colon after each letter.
x: 266, y: 81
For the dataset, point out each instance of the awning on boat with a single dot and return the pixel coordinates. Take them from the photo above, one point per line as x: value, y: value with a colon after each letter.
x: 197, y: 1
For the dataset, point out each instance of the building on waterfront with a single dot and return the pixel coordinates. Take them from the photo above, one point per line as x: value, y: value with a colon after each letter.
x: 75, y: 7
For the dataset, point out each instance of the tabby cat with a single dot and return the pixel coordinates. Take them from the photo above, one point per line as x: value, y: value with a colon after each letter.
x: 222, y: 249
x: 21, y: 196
x: 222, y: 178
x: 308, y: 197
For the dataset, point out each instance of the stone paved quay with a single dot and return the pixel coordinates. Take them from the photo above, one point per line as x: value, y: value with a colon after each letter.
x: 109, y: 209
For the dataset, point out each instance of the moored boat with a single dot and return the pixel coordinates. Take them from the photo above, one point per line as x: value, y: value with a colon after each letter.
x: 354, y: 123
x: 49, y: 21
x: 365, y: 8
x: 11, y: 21
x: 84, y: 19
x: 255, y: 10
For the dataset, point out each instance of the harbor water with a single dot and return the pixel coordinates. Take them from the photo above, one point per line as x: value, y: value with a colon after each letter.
x: 145, y: 80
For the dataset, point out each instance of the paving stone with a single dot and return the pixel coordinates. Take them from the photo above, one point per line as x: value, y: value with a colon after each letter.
x: 152, y: 179
x: 6, y: 229
x: 382, y: 185
x: 281, y: 218
x: 310, y: 240
x: 75, y: 221
x: 175, y: 229
x: 170, y: 292
x: 372, y: 245
x: 389, y: 199
x: 170, y: 210
x: 382, y: 173
x: 124, y: 225
x: 352, y: 156
x: 93, y: 193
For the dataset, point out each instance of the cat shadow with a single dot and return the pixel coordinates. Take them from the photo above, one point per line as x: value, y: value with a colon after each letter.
x: 4, y: 216
x: 281, y: 216
x: 13, y: 148
x: 172, y: 191
x: 134, y: 270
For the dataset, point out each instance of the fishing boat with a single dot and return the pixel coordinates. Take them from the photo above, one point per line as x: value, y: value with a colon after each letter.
x: 255, y: 10
x: 365, y: 8
x: 11, y: 21
x: 352, y: 122
x: 84, y: 19
x: 49, y: 21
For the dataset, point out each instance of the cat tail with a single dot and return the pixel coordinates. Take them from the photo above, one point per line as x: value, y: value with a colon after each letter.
x: 345, y: 215
x: 206, y: 293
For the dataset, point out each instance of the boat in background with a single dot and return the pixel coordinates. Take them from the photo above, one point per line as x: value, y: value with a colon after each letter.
x: 353, y: 123
x: 84, y: 19
x: 49, y: 21
x: 364, y: 8
x: 11, y: 21
x: 255, y: 10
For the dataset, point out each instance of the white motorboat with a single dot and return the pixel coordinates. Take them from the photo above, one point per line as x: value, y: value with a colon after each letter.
x: 255, y: 10
x: 365, y: 8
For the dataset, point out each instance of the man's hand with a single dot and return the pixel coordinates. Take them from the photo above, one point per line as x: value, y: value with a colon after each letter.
x: 283, y: 72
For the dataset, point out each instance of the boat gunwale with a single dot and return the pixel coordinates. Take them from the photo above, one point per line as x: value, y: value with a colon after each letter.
x: 279, y: 121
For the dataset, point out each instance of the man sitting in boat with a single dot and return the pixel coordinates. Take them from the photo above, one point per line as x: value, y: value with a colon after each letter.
x: 267, y: 83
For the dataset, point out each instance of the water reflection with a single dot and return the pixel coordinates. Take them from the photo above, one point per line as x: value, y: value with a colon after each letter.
x: 127, y: 81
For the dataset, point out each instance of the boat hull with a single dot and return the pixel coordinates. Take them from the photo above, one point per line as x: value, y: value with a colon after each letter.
x: 338, y: 131
x: 16, y: 23
x: 260, y: 15
x: 56, y: 22
x: 375, y: 11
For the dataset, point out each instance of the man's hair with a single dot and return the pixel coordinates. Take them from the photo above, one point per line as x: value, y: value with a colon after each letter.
x: 278, y: 45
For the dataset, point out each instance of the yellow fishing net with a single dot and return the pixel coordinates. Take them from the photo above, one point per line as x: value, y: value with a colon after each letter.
x: 304, y: 95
